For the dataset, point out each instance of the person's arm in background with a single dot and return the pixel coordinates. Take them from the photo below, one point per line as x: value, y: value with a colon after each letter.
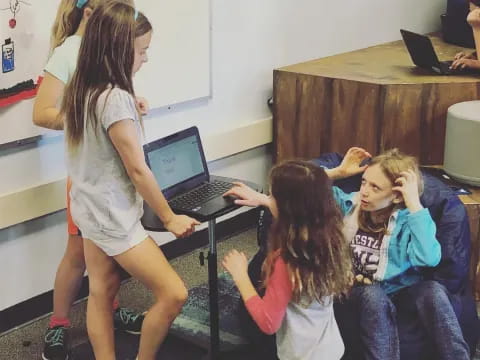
x: 45, y: 109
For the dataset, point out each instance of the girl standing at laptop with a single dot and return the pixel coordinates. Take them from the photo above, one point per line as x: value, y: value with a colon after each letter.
x: 67, y: 31
x: 307, y: 265
x: 110, y: 178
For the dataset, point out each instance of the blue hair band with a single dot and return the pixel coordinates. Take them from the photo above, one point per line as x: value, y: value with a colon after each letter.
x: 81, y: 3
x: 135, y: 16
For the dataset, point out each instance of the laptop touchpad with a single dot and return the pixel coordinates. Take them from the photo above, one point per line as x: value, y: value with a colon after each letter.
x: 216, y: 204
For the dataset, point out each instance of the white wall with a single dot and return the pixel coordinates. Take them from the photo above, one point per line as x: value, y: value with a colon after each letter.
x: 249, y: 39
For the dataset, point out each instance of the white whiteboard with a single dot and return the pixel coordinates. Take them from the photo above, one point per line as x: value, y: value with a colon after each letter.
x: 178, y: 69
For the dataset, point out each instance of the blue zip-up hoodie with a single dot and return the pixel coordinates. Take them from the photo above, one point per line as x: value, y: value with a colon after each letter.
x: 410, y: 242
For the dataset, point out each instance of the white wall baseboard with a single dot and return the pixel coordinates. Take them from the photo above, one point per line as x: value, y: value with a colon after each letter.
x: 43, y: 199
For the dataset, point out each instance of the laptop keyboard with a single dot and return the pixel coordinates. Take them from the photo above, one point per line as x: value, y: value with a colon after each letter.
x: 200, y: 195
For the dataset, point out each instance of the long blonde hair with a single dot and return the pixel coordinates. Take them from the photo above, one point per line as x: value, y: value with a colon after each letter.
x: 68, y: 19
x: 308, y: 233
x: 392, y: 163
x: 105, y: 59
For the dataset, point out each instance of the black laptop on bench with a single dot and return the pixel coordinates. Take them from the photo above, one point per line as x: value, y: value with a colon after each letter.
x: 423, y: 55
x: 180, y: 168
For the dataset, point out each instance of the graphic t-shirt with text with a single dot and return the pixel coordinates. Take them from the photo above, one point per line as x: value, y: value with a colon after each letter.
x: 366, y: 253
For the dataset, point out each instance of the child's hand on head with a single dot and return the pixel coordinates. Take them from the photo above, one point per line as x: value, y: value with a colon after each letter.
x: 236, y: 264
x: 181, y: 225
x: 142, y: 104
x: 351, y: 162
x: 407, y: 185
x: 247, y: 196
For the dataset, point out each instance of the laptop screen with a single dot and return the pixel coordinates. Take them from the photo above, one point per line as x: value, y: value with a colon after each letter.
x: 176, y: 162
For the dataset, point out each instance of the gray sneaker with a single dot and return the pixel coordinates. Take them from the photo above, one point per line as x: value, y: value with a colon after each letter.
x: 128, y: 321
x: 56, y: 340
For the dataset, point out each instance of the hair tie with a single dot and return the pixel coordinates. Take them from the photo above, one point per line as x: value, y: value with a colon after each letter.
x: 135, y: 15
x: 81, y: 3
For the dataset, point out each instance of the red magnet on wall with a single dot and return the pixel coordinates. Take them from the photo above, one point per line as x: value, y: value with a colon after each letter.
x: 12, y: 23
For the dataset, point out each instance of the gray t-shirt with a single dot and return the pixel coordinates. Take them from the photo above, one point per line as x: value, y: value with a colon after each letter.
x: 310, y: 332
x: 104, y: 203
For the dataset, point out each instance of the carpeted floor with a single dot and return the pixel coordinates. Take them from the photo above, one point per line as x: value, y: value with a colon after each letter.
x: 25, y: 342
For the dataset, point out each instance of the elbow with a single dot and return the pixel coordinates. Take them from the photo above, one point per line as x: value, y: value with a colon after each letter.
x: 36, y: 118
x: 138, y: 172
x: 430, y: 258
x: 269, y: 327
x: 435, y: 254
x: 269, y: 330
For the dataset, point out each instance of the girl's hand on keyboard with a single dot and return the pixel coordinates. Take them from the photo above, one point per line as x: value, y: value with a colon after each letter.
x: 465, y: 63
x: 247, y: 196
x: 181, y: 225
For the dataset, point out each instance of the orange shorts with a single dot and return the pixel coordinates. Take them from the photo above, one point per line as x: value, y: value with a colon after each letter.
x: 72, y: 228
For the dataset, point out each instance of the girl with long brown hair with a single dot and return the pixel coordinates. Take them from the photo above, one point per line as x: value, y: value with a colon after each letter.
x: 307, y: 265
x: 110, y: 179
x: 67, y: 31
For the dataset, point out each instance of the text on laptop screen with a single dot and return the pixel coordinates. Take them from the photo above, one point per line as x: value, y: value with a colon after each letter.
x: 176, y: 162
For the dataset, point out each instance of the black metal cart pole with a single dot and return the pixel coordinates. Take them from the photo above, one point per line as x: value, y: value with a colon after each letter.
x: 213, y: 292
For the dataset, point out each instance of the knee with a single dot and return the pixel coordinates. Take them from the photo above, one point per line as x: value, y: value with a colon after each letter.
x: 429, y: 293
x: 74, y: 253
x: 105, y: 288
x: 373, y: 299
x: 179, y: 297
x: 175, y: 299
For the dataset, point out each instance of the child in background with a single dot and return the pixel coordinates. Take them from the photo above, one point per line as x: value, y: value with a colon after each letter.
x: 308, y: 263
x: 67, y: 31
x: 110, y: 179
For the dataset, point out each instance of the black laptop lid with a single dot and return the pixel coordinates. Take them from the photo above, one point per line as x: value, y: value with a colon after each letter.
x: 177, y: 161
x: 421, y: 49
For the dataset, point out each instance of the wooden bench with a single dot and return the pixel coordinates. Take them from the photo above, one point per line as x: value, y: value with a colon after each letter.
x: 374, y: 98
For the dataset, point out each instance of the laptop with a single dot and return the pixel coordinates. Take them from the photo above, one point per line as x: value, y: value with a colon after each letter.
x: 423, y: 54
x: 180, y: 168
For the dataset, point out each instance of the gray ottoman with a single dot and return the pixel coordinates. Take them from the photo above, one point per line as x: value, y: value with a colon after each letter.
x: 462, y: 142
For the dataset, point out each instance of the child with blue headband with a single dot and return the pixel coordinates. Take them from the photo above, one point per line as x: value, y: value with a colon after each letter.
x: 67, y: 31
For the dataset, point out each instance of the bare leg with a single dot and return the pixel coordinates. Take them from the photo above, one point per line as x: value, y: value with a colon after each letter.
x: 69, y: 277
x: 104, y: 284
x: 147, y: 263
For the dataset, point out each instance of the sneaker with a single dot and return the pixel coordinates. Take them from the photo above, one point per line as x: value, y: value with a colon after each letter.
x: 56, y: 344
x: 128, y: 321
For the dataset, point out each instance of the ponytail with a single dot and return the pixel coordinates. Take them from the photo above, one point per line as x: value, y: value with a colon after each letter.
x: 66, y: 22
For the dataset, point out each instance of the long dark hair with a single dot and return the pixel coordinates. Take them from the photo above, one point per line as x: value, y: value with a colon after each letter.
x: 308, y: 232
x: 105, y: 59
